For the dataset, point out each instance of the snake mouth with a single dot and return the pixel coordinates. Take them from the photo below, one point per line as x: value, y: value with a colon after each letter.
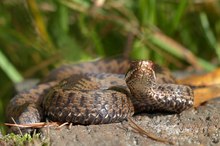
x: 141, y: 70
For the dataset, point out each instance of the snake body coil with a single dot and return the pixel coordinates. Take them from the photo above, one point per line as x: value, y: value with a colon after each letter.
x: 99, y: 92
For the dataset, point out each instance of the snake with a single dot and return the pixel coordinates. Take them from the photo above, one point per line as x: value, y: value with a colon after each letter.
x: 99, y: 92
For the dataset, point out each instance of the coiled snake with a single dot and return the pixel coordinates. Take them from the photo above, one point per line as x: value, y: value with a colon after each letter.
x: 100, y: 92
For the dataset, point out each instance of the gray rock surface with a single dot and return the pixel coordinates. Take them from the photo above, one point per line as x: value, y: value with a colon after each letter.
x: 191, y: 127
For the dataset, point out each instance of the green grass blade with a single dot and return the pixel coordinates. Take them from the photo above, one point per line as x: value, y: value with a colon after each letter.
x: 174, y: 48
x: 178, y: 14
x: 9, y: 69
x: 209, y: 33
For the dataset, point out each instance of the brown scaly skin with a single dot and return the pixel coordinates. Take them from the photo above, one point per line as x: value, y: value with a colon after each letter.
x: 96, y: 93
x: 151, y: 93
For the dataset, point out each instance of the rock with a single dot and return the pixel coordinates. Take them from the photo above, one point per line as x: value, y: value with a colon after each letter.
x: 192, y: 127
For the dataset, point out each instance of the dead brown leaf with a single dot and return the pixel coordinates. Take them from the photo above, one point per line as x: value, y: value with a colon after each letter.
x: 211, y: 78
x: 207, y: 86
x: 202, y: 95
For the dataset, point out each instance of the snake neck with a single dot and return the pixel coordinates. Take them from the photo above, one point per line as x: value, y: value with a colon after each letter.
x: 142, y: 97
x: 162, y: 97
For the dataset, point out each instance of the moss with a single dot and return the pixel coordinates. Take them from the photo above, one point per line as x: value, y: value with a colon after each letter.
x: 23, y: 140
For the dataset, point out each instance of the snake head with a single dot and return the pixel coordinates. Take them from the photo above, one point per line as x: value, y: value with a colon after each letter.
x: 141, y: 71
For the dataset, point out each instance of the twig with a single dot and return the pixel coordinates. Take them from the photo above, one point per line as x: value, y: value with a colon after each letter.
x: 148, y: 134
x: 33, y: 125
x: 60, y: 126
x: 17, y: 127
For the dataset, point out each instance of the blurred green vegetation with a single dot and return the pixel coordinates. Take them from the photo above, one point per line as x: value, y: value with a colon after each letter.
x: 37, y: 35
